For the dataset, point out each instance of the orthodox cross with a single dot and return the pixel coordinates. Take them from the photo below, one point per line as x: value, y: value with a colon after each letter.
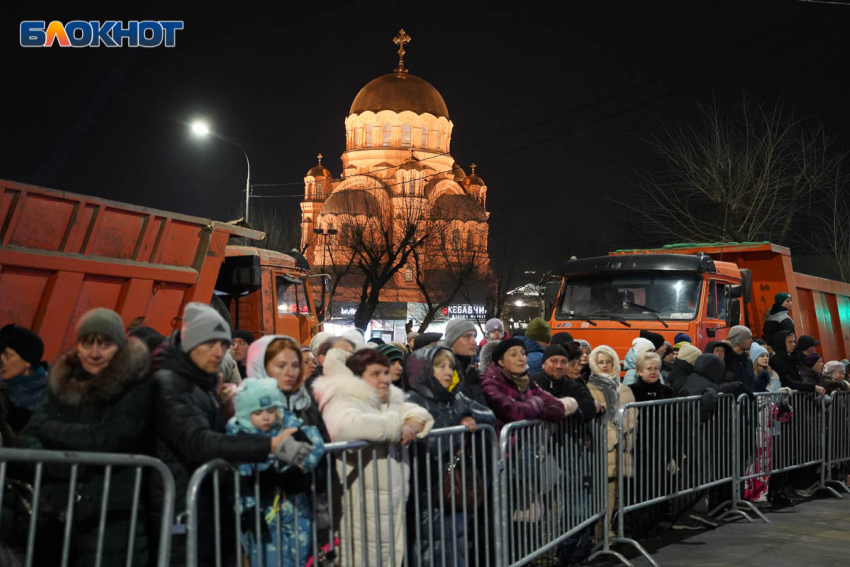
x: 400, y: 40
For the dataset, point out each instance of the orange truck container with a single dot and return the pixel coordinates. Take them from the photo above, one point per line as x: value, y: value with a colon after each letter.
x: 700, y: 290
x: 62, y: 254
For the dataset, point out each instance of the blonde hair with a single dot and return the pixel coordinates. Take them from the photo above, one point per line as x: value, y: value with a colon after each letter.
x: 645, y: 358
x: 610, y: 353
x: 442, y: 355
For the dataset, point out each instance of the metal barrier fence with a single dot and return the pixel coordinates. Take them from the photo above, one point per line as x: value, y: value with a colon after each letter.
x: 554, y: 485
x: 665, y: 451
x: 837, y: 442
x: 70, y: 497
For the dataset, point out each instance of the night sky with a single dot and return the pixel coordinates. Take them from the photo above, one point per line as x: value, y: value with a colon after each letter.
x: 550, y: 105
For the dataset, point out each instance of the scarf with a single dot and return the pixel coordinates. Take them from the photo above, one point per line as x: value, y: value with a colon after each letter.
x: 521, y: 380
x: 27, y: 390
x: 608, y: 387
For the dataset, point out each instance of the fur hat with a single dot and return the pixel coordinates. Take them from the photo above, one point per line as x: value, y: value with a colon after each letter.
x: 615, y: 369
x: 105, y: 322
x: 201, y: 324
x: 27, y: 344
x: 538, y: 330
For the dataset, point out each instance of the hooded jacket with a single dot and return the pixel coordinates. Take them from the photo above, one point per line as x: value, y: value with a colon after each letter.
x: 709, y: 381
x: 787, y: 364
x: 298, y: 401
x: 679, y: 375
x: 777, y: 320
x: 190, y: 430
x: 352, y: 411
x: 107, y: 413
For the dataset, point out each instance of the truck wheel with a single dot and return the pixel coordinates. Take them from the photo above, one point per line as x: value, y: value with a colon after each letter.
x: 218, y: 304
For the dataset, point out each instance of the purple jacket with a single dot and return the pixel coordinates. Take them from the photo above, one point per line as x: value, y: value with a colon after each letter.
x: 506, y: 401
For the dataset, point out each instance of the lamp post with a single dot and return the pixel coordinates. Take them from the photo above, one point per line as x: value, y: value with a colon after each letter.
x: 326, y: 233
x: 201, y: 130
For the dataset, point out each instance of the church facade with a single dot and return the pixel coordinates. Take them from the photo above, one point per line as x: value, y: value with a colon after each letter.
x: 397, y: 160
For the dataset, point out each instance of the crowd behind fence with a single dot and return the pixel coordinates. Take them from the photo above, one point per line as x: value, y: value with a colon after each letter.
x: 453, y: 498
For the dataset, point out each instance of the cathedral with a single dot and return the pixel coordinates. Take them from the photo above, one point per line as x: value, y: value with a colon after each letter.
x: 398, y: 139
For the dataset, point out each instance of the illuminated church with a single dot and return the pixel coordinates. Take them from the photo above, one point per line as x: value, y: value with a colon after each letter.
x: 398, y: 139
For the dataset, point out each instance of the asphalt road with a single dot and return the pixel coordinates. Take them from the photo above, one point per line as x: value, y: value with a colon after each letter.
x: 814, y: 533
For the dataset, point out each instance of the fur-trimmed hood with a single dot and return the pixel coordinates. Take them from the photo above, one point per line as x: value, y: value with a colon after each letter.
x: 348, y: 385
x: 130, y: 366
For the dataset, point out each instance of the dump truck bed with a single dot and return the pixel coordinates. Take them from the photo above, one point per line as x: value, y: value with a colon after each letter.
x: 62, y: 254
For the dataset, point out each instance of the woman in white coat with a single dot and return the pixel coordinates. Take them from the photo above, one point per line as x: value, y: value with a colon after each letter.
x: 358, y: 402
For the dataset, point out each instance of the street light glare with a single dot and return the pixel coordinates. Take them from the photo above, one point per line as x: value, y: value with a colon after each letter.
x: 200, y: 128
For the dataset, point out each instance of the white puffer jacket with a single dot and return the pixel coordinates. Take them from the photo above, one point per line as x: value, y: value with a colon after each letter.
x: 352, y: 411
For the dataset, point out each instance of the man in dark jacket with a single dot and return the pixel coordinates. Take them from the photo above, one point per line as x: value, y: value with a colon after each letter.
x: 190, y: 425
x: 779, y: 318
x: 460, y: 338
x: 559, y: 361
x: 739, y: 364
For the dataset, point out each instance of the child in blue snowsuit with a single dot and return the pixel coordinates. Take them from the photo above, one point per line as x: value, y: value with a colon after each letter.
x: 260, y: 411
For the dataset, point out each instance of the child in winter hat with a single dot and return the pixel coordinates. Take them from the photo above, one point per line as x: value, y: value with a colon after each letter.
x: 260, y: 411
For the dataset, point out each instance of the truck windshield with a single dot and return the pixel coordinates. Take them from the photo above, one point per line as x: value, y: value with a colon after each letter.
x: 631, y: 296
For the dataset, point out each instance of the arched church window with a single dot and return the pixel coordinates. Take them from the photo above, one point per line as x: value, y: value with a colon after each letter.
x: 456, y: 239
x: 408, y: 274
x: 411, y: 189
x: 424, y: 142
x: 368, y: 143
x: 437, y: 135
x: 319, y: 193
x: 405, y: 135
x: 387, y: 135
x: 470, y: 241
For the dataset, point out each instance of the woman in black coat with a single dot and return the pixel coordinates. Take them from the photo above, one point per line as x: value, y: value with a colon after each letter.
x: 98, y: 401
x: 786, y: 362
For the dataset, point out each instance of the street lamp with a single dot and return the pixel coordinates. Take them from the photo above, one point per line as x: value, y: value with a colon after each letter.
x: 201, y: 129
x: 326, y: 233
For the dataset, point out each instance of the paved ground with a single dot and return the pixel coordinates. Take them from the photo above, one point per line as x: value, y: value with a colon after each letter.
x: 814, y: 533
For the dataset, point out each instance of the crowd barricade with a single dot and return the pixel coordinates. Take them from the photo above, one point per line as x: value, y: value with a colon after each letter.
x: 553, y: 482
x: 49, y: 491
x: 665, y: 452
x: 777, y: 432
x: 837, y: 443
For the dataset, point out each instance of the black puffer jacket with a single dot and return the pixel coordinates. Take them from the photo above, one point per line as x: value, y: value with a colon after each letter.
x: 447, y: 408
x: 568, y: 388
x: 679, y: 375
x: 108, y: 413
x: 708, y: 381
x: 787, y: 364
x: 190, y: 430
x: 470, y: 380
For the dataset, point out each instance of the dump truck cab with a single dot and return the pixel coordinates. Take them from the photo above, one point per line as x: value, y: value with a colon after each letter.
x: 267, y: 292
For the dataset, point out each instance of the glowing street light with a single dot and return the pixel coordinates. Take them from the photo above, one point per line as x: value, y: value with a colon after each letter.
x: 201, y: 129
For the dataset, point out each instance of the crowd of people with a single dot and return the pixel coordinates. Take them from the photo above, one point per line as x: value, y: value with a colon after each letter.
x: 271, y: 405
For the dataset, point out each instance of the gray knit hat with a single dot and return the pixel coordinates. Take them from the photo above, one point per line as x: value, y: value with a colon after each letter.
x: 102, y: 321
x: 456, y: 329
x: 738, y: 334
x: 202, y: 323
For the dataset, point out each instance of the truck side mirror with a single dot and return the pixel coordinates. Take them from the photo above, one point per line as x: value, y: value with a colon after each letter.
x: 733, y: 312
x: 734, y: 290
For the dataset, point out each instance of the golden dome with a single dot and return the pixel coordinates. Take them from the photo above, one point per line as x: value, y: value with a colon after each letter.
x: 398, y: 92
x: 319, y: 170
x: 473, y: 179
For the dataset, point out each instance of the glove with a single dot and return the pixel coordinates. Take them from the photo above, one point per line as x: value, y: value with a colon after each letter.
x: 570, y: 405
x: 293, y: 452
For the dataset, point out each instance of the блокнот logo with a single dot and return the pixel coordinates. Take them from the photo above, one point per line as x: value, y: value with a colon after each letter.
x: 109, y: 33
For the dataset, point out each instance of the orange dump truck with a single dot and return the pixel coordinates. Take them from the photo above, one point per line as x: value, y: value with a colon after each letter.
x: 697, y: 289
x: 62, y: 254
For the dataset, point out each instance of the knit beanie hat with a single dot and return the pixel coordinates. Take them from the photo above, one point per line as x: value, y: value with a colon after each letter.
x: 391, y: 352
x: 494, y: 324
x: 562, y: 338
x: 103, y: 321
x: 538, y: 330
x: 503, y: 346
x: 583, y: 344
x: 805, y: 342
x: 27, y: 344
x: 811, y: 359
x: 738, y: 335
x: 780, y: 297
x: 832, y: 367
x: 689, y: 353
x: 256, y: 394
x: 756, y: 351
x: 656, y: 339
x: 554, y: 350
x: 246, y: 336
x: 681, y: 338
x: 456, y: 329
x: 641, y: 345
x: 202, y: 323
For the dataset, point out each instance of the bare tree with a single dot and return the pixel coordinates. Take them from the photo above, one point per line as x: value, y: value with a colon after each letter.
x: 831, y: 228
x: 743, y: 177
x: 283, y: 232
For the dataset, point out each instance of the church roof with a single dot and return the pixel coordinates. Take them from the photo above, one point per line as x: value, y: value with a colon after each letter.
x: 399, y: 92
x: 464, y: 208
x: 319, y: 170
x: 351, y: 202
